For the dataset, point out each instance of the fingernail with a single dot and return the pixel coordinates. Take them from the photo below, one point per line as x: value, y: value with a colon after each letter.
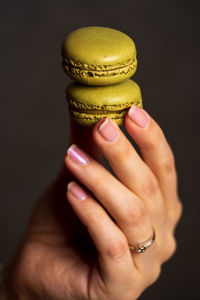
x: 108, y: 131
x: 77, y: 191
x: 78, y: 155
x: 138, y: 116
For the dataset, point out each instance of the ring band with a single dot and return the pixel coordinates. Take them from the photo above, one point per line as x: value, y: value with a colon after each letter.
x: 141, y: 247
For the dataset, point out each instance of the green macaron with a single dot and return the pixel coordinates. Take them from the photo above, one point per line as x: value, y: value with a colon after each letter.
x: 99, y: 55
x: 89, y: 104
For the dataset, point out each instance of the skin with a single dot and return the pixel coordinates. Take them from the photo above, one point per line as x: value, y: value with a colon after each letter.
x: 79, y: 249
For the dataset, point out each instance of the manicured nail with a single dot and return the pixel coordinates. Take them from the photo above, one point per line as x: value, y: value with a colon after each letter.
x: 76, y: 190
x: 138, y: 116
x: 78, y: 155
x: 108, y: 131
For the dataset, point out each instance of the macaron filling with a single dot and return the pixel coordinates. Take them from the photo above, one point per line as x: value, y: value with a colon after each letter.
x: 85, y: 70
x: 85, y: 111
x: 79, y: 106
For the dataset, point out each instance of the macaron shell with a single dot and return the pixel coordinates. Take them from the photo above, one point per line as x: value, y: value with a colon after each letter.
x: 89, y: 104
x: 116, y: 94
x: 99, y: 55
x: 98, y: 46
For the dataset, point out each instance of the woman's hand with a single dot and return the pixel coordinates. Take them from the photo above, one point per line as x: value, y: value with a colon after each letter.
x: 142, y: 197
x: 86, y: 255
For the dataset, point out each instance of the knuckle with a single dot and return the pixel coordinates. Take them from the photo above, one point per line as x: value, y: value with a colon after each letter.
x: 93, y: 177
x: 150, y: 186
x: 155, y: 274
x: 96, y: 177
x: 117, y: 249
x: 170, y: 249
x: 122, y: 152
x: 176, y: 212
x: 94, y: 217
x: 155, y: 137
x: 135, y: 215
x: 168, y: 165
x: 179, y: 211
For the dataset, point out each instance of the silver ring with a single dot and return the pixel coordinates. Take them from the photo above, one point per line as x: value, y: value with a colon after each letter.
x: 141, y: 247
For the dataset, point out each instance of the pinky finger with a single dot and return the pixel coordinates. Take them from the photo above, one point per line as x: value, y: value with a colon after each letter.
x: 115, y: 259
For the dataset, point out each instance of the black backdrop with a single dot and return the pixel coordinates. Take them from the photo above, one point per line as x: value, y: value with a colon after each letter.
x: 34, y: 118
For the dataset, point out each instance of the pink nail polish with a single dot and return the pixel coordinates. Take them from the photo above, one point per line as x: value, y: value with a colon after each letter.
x: 108, y: 131
x: 78, y: 155
x: 77, y: 191
x: 138, y: 117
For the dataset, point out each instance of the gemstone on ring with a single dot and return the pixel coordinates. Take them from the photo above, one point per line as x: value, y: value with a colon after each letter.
x: 141, y: 247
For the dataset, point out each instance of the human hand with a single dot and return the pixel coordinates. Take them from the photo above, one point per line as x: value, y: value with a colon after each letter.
x: 144, y: 196
x: 63, y: 259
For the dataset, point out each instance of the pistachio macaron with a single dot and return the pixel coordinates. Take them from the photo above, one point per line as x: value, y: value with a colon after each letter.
x: 89, y: 104
x: 99, y: 55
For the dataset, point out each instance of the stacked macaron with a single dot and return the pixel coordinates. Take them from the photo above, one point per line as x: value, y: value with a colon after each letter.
x: 101, y: 60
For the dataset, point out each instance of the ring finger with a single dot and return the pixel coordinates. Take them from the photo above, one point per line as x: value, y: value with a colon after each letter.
x: 123, y: 205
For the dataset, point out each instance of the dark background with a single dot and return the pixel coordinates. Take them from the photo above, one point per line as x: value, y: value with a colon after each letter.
x: 34, y: 119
